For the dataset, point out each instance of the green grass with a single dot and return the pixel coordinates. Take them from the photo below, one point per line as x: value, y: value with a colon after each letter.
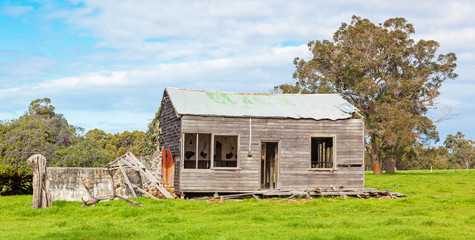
x: 441, y: 206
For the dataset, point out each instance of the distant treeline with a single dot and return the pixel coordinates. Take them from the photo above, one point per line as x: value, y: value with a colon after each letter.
x: 456, y: 152
x: 43, y: 131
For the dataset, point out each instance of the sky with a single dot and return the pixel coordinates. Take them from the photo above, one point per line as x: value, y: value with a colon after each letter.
x: 105, y: 63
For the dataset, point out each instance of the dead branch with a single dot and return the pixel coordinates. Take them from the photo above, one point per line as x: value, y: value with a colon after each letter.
x: 288, y: 198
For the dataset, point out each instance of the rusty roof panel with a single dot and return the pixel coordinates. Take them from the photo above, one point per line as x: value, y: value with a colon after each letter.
x: 298, y: 106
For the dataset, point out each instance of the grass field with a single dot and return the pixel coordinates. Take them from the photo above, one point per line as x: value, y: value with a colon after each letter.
x: 441, y: 206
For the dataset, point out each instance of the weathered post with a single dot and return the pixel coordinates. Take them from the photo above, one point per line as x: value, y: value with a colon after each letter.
x: 41, y: 198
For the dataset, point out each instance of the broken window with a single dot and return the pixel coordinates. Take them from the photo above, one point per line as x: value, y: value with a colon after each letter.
x: 204, y: 156
x: 322, y: 151
x: 225, y: 151
x: 197, y: 151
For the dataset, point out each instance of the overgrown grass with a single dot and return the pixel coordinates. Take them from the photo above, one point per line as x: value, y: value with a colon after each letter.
x: 441, y: 206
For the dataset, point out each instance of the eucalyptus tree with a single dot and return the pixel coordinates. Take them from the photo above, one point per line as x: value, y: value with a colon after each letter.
x: 151, y: 139
x: 391, y: 78
x: 462, y: 151
x: 41, y: 107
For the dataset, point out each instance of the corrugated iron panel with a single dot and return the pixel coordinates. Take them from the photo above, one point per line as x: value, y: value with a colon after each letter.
x: 298, y: 106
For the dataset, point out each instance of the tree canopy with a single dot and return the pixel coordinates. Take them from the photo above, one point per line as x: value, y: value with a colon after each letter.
x: 43, y: 131
x: 462, y: 150
x: 117, y: 144
x: 152, y: 134
x: 41, y: 107
x: 52, y: 137
x: 392, y: 79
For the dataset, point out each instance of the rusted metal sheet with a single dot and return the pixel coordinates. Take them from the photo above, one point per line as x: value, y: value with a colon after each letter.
x: 296, y: 106
x: 168, y: 168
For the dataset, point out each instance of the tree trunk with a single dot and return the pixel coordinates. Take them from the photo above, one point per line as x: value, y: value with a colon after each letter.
x: 373, y: 153
x: 390, y: 163
x: 41, y: 198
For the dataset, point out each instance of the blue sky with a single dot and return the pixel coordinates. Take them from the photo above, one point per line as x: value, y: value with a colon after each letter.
x: 105, y: 63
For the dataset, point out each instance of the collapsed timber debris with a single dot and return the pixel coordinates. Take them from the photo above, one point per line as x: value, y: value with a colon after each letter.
x: 317, y: 192
x: 121, y: 165
x: 129, y: 161
x: 94, y: 200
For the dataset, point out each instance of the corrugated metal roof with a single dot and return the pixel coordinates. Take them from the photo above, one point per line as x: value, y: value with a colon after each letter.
x: 298, y: 106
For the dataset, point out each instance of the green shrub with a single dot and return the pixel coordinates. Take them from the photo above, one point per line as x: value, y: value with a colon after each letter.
x: 14, y: 183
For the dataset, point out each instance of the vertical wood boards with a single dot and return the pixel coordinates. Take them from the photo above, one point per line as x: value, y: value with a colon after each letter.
x: 294, y: 169
x: 170, y: 127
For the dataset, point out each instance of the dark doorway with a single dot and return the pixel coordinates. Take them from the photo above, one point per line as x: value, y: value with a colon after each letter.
x: 269, y: 165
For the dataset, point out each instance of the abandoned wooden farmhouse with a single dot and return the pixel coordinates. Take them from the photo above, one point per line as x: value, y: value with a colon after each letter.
x: 241, y: 142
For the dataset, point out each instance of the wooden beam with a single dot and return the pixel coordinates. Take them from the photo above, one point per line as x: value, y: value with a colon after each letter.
x: 126, y: 178
x: 148, y: 175
x: 145, y: 192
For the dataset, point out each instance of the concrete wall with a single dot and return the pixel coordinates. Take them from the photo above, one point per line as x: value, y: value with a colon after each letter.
x: 65, y: 183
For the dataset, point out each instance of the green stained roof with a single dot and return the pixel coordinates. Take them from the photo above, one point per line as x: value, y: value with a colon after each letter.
x: 298, y: 106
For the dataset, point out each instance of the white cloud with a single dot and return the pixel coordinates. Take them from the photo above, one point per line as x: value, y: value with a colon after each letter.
x: 96, y: 79
x: 218, y: 45
x: 119, y: 122
x: 245, y: 66
x: 20, y: 69
x: 16, y: 11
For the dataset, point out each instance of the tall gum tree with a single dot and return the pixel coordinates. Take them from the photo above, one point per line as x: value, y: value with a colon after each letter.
x: 462, y: 151
x: 392, y: 79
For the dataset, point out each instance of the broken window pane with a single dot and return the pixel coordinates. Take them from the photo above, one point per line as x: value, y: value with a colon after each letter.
x: 322, y: 152
x: 190, y: 150
x: 204, y: 155
x: 225, y: 151
x: 197, y: 151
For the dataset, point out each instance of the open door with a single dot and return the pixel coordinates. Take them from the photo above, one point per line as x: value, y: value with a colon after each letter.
x: 168, y: 168
x: 269, y: 165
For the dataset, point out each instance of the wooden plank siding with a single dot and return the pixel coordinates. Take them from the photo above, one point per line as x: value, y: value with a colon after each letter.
x: 294, y: 141
x: 170, y: 125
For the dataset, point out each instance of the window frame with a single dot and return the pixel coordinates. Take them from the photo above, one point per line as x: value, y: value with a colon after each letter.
x: 237, y: 151
x: 212, y: 143
x: 334, y: 161
x: 196, y: 156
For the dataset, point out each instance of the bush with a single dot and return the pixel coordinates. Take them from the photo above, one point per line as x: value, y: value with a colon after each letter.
x: 14, y: 183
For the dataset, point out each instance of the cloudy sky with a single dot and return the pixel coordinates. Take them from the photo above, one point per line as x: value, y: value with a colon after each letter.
x: 105, y: 63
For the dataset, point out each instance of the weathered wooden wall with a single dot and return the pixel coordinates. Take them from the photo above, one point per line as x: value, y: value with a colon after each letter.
x: 294, y: 137
x: 170, y: 126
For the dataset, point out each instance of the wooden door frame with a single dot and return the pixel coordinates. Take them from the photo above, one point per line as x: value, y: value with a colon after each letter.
x: 277, y: 165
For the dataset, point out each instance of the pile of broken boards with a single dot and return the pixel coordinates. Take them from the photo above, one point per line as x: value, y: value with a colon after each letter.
x: 154, y: 190
x: 318, y: 192
x: 127, y: 162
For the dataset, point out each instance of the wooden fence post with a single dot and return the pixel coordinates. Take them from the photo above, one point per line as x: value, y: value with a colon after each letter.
x: 41, y: 197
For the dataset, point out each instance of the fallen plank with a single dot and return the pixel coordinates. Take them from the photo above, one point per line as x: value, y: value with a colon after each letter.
x: 237, y: 195
x: 145, y: 192
x: 127, y: 181
x: 132, y: 162
x: 290, y: 197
